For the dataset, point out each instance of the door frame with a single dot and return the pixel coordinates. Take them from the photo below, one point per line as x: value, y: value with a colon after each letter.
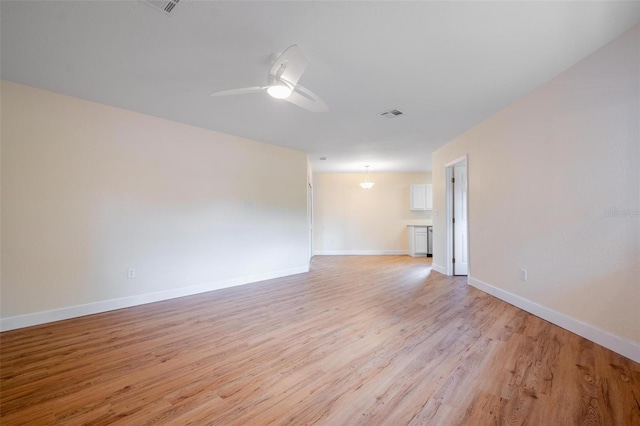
x: 464, y: 162
x: 310, y: 217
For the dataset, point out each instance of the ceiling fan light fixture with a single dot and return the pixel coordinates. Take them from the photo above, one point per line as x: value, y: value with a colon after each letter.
x: 279, y: 91
x: 282, y: 78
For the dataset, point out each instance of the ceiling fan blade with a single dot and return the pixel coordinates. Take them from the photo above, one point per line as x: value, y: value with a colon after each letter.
x: 243, y: 91
x: 305, y: 98
x: 289, y: 66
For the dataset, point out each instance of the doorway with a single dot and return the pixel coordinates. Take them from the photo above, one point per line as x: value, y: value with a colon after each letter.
x: 457, y: 197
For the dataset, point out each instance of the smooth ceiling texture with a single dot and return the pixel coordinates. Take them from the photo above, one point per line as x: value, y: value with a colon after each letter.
x: 446, y: 65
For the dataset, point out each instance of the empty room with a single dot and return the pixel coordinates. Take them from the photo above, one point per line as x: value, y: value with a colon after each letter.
x: 321, y: 212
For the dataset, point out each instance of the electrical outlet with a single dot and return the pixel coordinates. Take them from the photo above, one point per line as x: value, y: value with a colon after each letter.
x: 131, y: 273
x: 523, y: 275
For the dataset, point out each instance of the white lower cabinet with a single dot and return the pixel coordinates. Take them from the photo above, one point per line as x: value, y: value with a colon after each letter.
x: 420, y: 240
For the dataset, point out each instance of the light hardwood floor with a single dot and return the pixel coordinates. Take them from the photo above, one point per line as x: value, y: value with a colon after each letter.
x: 372, y: 340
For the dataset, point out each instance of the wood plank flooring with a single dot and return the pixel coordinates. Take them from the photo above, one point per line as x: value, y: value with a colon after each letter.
x: 371, y: 340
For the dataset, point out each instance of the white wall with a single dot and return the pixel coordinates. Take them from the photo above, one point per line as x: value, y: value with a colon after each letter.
x: 351, y: 220
x: 544, y: 175
x: 89, y: 191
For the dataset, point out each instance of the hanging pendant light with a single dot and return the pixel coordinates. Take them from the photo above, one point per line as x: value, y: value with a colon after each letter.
x: 367, y: 184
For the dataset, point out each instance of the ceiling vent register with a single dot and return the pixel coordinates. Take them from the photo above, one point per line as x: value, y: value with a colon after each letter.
x: 164, y: 6
x: 393, y: 113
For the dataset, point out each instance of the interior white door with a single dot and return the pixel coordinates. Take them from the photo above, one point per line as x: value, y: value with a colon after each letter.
x: 460, y: 238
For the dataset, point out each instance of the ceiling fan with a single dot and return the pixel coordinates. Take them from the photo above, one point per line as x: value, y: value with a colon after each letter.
x: 283, y: 82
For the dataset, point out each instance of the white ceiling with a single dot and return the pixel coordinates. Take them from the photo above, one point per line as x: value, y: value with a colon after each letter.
x: 446, y: 65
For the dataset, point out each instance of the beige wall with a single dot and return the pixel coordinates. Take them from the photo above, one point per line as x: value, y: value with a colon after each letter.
x: 351, y: 220
x: 89, y: 191
x: 544, y: 175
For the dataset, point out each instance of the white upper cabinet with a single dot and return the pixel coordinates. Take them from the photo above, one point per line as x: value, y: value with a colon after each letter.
x: 421, y: 196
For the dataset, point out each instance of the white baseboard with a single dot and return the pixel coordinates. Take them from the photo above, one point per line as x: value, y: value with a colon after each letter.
x: 360, y: 252
x: 21, y: 321
x: 439, y: 268
x: 617, y: 344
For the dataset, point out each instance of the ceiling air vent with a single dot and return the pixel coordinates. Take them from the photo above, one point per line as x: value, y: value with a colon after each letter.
x: 393, y: 113
x: 164, y: 6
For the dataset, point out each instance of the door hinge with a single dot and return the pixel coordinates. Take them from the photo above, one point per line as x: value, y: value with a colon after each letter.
x: 453, y: 180
x: 454, y: 220
x: 453, y: 260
